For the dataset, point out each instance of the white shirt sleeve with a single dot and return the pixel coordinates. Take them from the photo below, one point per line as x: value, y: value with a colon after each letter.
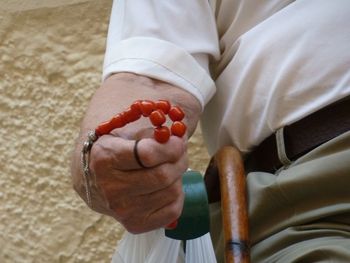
x: 168, y: 40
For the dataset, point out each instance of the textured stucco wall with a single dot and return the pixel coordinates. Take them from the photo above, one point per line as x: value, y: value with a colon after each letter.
x: 50, y: 64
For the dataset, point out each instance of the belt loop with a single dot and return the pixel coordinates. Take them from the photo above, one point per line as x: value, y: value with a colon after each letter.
x: 281, y: 150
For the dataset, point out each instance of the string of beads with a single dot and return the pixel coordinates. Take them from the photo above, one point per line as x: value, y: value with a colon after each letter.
x: 156, y: 112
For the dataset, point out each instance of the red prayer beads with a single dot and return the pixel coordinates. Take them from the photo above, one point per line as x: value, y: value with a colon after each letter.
x: 176, y: 114
x: 162, y: 134
x: 147, y: 107
x: 178, y: 128
x: 163, y: 105
x: 156, y: 111
x: 157, y: 118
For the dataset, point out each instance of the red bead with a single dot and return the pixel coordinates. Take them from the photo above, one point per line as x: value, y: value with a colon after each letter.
x: 163, y: 105
x: 178, y: 128
x: 162, y: 134
x: 157, y: 118
x: 117, y: 121
x: 176, y: 114
x: 172, y: 225
x: 147, y: 107
x: 136, y: 106
x: 131, y: 115
x: 104, y: 128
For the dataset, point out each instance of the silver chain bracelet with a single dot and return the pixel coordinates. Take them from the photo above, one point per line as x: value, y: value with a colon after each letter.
x: 85, y: 157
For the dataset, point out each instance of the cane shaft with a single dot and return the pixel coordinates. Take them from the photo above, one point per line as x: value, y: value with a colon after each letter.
x: 234, y: 205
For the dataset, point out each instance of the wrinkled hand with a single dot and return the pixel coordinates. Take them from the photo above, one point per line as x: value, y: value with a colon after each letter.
x: 140, y: 199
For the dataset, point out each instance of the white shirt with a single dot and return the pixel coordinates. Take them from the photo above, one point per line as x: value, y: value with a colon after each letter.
x: 255, y: 66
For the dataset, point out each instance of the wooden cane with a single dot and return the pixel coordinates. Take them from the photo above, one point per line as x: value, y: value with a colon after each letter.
x: 226, y: 169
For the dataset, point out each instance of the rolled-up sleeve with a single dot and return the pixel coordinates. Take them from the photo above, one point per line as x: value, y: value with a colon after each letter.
x: 168, y: 40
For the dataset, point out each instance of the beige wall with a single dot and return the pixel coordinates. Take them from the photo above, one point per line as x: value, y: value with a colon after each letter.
x: 50, y: 64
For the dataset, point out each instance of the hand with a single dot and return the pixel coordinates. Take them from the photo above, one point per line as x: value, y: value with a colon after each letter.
x: 140, y: 199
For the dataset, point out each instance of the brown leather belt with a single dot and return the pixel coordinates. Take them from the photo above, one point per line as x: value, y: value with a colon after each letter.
x: 301, y: 137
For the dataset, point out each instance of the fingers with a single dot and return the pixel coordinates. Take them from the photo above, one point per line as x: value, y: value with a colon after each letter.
x: 119, y: 154
x: 146, y: 212
x: 141, y: 199
x: 152, y: 153
x: 142, y: 182
x: 158, y: 219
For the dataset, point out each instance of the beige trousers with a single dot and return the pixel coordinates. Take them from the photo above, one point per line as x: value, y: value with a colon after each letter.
x: 301, y: 213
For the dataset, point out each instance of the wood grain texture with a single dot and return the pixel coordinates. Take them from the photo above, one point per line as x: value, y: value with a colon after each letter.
x: 226, y: 169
